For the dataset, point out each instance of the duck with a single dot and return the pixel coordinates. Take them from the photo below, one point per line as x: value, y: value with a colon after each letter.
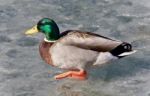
x: 75, y: 51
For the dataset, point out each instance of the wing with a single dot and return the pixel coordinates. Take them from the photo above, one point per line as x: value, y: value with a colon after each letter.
x: 88, y: 40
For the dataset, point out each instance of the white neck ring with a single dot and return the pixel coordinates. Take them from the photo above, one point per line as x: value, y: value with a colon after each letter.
x: 48, y: 40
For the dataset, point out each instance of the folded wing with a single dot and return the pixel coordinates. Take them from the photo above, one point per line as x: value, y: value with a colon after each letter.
x: 88, y: 40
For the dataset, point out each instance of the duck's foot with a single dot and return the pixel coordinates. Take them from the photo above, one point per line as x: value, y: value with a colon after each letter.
x: 81, y: 75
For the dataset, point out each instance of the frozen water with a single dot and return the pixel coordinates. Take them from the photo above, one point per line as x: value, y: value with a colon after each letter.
x: 23, y: 73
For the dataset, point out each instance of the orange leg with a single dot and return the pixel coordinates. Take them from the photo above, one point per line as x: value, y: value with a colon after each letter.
x: 81, y: 75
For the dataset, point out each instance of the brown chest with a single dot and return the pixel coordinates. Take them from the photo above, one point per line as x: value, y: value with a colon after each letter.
x: 45, y: 53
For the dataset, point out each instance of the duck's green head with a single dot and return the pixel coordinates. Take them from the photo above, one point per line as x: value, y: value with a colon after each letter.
x: 46, y: 26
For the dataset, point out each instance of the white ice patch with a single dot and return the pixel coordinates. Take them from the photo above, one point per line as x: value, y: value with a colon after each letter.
x: 6, y: 71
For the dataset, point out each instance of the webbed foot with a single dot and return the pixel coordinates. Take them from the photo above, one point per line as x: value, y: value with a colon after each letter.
x: 80, y: 75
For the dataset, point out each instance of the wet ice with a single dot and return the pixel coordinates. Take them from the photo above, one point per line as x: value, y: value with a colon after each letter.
x: 23, y: 73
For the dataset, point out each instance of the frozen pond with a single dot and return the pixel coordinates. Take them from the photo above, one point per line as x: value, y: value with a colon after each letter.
x: 23, y: 73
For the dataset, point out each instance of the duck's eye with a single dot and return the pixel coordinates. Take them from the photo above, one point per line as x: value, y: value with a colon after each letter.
x: 40, y: 23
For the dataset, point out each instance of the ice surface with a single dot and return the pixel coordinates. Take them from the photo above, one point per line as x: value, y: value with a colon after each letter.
x: 23, y: 73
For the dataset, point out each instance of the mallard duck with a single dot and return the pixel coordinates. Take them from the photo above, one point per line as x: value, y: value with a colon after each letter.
x: 76, y: 50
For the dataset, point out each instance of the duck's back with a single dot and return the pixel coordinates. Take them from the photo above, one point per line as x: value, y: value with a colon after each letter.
x: 88, y: 40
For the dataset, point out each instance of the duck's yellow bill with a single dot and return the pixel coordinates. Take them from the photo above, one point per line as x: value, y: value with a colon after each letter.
x: 31, y: 31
